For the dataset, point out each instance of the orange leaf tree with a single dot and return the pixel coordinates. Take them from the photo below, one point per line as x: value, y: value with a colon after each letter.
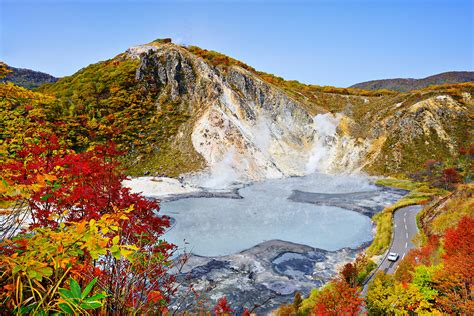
x: 455, y: 281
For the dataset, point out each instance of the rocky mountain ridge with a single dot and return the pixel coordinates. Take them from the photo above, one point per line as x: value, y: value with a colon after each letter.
x: 241, y: 124
x: 242, y: 121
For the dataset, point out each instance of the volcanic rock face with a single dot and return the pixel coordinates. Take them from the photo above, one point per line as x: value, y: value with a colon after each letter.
x: 255, y: 128
x: 239, y: 120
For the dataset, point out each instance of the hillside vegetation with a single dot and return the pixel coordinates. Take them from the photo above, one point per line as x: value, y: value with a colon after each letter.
x: 108, y: 102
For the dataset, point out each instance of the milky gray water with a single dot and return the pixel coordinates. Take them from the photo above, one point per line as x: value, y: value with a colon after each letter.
x: 221, y: 226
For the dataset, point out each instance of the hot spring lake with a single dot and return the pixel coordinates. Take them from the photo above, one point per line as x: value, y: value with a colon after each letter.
x: 223, y: 226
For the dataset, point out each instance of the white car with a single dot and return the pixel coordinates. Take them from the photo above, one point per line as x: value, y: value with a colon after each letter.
x: 393, y: 256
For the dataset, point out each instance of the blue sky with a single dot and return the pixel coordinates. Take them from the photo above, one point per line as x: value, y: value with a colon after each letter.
x: 321, y: 42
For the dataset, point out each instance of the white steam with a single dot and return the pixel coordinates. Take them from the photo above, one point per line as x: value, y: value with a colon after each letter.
x: 222, y: 174
x: 319, y: 158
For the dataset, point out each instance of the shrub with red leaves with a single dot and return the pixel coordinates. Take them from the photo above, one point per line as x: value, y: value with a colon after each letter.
x: 456, y: 279
x: 426, y: 255
x: 450, y: 175
x: 84, y: 186
x: 222, y: 308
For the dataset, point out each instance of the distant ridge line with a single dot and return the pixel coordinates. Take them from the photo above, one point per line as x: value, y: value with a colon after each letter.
x: 408, y: 84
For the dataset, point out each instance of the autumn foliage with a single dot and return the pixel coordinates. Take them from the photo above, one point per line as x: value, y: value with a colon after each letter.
x: 447, y: 175
x: 87, y: 183
x: 222, y: 307
x: 434, y: 279
x: 4, y: 70
x: 85, y: 225
x: 338, y: 299
x: 456, y: 280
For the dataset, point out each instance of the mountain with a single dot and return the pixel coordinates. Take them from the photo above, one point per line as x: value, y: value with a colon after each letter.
x: 404, y: 85
x: 27, y: 78
x: 175, y: 109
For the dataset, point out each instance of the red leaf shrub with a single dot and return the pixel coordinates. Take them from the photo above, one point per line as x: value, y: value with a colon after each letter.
x: 69, y: 187
x: 222, y: 308
x: 450, y: 175
x: 456, y: 279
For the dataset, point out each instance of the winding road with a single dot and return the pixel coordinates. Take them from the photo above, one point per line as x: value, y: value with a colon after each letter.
x: 405, y: 229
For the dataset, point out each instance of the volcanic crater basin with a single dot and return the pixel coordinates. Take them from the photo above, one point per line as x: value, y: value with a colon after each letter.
x: 281, y: 236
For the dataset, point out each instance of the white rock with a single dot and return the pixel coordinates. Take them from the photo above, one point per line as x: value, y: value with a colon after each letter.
x: 134, y: 52
x: 158, y: 187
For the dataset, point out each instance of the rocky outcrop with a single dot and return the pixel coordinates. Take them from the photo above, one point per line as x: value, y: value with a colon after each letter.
x: 406, y: 134
x: 238, y: 120
x: 250, y: 129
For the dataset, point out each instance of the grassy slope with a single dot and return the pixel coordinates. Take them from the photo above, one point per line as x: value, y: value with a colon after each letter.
x: 424, y: 146
x: 143, y: 122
